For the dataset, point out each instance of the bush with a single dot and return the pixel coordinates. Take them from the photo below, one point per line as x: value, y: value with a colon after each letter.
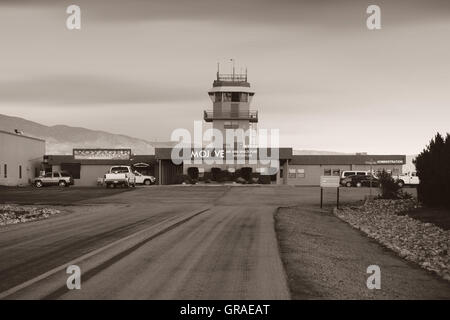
x: 216, y: 174
x: 433, y: 169
x: 264, y: 179
x: 241, y: 180
x: 388, y: 186
x: 186, y: 179
x: 193, y: 172
x: 246, y: 173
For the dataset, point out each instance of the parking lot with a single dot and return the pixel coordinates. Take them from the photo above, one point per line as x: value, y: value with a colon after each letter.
x: 53, y: 195
x: 72, y: 195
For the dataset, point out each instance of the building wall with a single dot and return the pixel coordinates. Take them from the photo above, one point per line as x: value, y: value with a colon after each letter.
x: 88, y: 174
x: 309, y: 175
x: 15, y: 151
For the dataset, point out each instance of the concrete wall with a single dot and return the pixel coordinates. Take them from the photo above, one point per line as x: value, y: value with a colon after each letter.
x: 15, y: 151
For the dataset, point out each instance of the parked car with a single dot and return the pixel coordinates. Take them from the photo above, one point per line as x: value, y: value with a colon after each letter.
x: 346, y: 173
x: 360, y: 181
x: 143, y: 179
x: 120, y: 175
x: 409, y: 178
x: 62, y: 179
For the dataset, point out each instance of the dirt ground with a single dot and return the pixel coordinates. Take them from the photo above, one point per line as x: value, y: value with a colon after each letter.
x: 326, y: 258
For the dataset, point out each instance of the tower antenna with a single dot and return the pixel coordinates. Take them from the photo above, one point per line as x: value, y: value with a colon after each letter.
x: 232, y: 60
x: 218, y: 70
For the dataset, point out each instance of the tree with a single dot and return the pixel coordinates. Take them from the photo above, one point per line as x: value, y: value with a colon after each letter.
x: 433, y: 169
x: 388, y: 186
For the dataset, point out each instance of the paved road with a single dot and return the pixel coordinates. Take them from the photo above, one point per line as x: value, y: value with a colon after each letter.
x: 223, y: 245
x: 179, y: 242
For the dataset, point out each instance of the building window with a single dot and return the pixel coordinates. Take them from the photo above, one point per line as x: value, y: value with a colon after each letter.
x: 327, y: 172
x: 20, y: 172
x: 218, y: 97
x: 235, y: 97
x: 292, y: 174
x: 300, y: 173
x: 231, y: 125
x: 227, y: 96
x: 336, y: 172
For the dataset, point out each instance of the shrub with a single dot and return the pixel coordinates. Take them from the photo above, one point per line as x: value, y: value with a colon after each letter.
x: 388, y: 186
x: 433, y: 170
x: 264, y: 179
x: 216, y: 174
x: 193, y: 172
x: 241, y: 180
x: 246, y: 173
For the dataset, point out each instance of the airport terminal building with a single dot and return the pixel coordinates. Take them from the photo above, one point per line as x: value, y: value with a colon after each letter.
x: 297, y: 170
x: 231, y: 97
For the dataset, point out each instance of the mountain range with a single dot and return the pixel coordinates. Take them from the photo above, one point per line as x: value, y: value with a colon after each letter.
x: 61, y: 139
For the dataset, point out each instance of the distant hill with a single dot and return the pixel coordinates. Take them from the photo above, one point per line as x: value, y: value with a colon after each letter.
x: 61, y: 139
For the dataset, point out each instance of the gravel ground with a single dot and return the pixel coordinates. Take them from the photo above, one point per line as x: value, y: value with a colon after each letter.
x: 387, y: 222
x: 12, y: 214
x: 325, y: 258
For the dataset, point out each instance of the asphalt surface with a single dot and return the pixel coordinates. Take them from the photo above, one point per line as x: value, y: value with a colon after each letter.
x: 170, y: 242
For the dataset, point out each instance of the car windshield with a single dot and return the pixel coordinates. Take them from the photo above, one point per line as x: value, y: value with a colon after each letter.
x: 119, y: 170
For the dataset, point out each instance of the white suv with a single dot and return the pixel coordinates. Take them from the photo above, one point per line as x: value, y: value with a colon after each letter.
x: 143, y: 179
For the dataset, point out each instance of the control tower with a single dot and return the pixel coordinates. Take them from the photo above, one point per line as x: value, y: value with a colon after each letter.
x: 231, y: 97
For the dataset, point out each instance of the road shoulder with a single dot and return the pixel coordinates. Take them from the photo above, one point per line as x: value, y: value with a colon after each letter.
x: 325, y: 258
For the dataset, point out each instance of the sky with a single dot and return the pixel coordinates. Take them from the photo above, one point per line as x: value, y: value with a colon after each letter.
x: 143, y: 67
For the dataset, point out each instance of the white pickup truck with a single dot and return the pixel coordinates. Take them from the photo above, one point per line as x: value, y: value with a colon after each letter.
x: 120, y: 175
x: 409, y: 178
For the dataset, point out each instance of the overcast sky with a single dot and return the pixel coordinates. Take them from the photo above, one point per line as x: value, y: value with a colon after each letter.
x: 143, y: 67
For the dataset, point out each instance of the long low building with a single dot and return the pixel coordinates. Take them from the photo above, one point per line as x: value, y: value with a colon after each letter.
x: 87, y: 165
x: 307, y: 169
x: 20, y: 158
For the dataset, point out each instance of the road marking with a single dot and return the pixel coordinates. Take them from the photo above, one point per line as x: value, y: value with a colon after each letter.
x: 47, y: 274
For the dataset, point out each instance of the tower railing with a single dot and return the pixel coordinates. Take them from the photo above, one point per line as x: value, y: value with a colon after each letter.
x: 232, y: 77
x: 210, y: 115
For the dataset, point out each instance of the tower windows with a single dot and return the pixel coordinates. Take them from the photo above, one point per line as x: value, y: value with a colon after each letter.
x: 218, y: 97
x: 235, y: 96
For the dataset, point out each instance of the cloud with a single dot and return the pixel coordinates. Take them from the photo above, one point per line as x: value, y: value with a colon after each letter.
x: 90, y: 89
x: 325, y: 13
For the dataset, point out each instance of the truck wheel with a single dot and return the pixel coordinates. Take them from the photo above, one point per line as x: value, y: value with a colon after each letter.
x: 147, y: 182
x: 38, y: 184
x: 62, y: 183
x: 401, y: 183
x: 348, y: 184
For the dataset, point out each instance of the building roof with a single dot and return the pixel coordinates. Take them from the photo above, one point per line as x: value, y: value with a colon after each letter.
x: 21, y: 136
x: 166, y: 153
x: 59, y: 159
x: 347, y: 159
